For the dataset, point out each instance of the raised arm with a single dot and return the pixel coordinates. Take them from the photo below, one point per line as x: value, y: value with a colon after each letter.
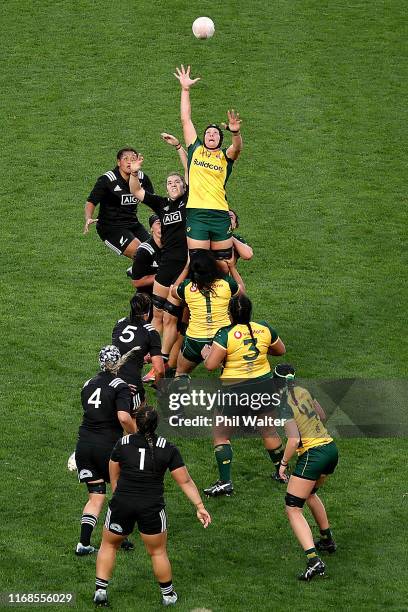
x: 183, y: 76
x: 188, y: 486
x: 234, y: 126
x: 174, y: 142
x: 134, y: 184
x: 235, y: 274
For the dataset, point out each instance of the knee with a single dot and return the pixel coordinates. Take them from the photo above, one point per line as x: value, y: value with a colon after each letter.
x: 293, y: 504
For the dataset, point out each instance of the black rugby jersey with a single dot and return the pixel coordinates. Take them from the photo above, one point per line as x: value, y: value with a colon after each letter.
x: 118, y: 207
x: 172, y: 215
x: 139, y: 474
x: 146, y: 261
x: 127, y: 335
x: 102, y: 397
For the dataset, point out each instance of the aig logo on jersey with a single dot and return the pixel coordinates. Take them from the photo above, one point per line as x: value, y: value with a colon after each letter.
x: 173, y: 217
x: 128, y: 200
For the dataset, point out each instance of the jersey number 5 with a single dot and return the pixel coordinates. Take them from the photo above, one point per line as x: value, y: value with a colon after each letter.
x: 129, y: 333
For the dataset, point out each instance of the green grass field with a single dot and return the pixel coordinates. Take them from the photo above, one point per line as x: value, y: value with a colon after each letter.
x: 320, y: 189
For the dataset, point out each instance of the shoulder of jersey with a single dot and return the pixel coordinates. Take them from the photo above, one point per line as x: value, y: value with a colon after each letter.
x: 120, y: 320
x: 148, y: 247
x: 161, y: 442
x: 112, y: 176
x: 116, y: 382
x: 87, y: 383
x: 149, y: 327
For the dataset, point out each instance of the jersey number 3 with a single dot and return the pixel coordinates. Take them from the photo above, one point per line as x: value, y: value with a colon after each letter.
x: 253, y: 352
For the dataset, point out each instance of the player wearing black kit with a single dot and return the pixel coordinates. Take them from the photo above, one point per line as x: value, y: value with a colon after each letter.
x: 146, y: 260
x: 107, y: 404
x: 134, y: 332
x: 172, y: 213
x: 137, y: 467
x: 117, y: 223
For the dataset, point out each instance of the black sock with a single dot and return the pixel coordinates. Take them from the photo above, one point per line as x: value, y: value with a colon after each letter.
x: 276, y: 456
x: 311, y: 554
x: 166, y: 587
x: 88, y: 523
x: 101, y: 584
x: 165, y: 357
x: 326, y: 534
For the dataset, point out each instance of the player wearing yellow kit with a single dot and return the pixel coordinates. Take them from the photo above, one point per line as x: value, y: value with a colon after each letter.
x: 242, y: 349
x: 209, y: 167
x: 317, y: 458
x: 207, y: 296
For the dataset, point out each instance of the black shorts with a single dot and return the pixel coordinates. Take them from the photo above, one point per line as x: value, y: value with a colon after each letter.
x: 169, y: 270
x: 124, y: 511
x: 92, y: 461
x: 119, y: 238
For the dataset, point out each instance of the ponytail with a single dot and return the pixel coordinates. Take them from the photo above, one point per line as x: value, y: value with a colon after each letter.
x: 147, y: 420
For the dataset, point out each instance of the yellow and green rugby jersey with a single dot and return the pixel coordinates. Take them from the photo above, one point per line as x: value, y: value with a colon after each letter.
x: 208, y: 310
x: 208, y: 172
x: 246, y: 358
x: 312, y: 431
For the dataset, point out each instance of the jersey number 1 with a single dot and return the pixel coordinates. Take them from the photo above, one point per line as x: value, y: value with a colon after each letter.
x: 142, y: 452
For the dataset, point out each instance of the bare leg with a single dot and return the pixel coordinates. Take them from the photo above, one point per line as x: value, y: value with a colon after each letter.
x: 156, y: 546
x: 131, y: 248
x: 107, y: 554
x: 301, y: 488
x: 318, y: 510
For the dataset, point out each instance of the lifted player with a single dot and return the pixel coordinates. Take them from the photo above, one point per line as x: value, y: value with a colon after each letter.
x: 209, y: 168
x: 117, y: 224
x: 317, y: 458
x: 172, y: 213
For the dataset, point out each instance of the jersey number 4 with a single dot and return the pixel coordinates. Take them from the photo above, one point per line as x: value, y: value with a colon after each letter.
x: 95, y: 398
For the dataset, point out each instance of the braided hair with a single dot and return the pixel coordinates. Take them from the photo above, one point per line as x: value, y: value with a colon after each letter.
x: 147, y: 420
x: 240, y: 309
x: 139, y: 306
x: 203, y: 270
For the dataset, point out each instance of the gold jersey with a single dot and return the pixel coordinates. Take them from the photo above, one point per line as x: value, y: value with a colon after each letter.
x: 208, y: 172
x: 246, y: 357
x: 208, y: 309
x: 301, y: 408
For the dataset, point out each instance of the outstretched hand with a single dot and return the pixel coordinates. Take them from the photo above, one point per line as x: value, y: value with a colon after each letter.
x: 170, y: 139
x: 234, y: 122
x: 183, y: 75
x: 136, y: 164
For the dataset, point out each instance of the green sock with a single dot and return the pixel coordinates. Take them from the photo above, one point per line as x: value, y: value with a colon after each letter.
x: 326, y: 534
x: 223, y: 455
x: 276, y: 456
x: 311, y: 553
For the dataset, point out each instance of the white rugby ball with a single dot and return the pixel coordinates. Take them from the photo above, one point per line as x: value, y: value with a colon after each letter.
x: 203, y: 27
